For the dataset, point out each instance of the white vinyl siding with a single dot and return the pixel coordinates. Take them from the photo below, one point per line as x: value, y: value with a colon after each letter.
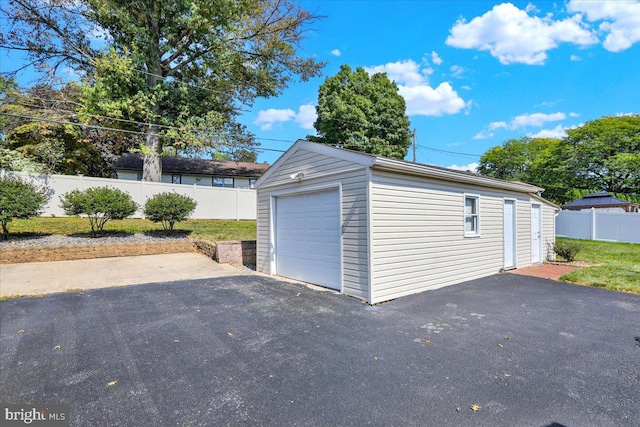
x: 319, y: 169
x: 418, y: 238
x: 548, y: 231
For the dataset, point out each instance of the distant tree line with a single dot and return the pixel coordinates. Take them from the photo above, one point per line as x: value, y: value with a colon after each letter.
x: 601, y: 155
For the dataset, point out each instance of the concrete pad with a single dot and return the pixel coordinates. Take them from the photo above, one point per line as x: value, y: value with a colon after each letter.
x: 37, y: 278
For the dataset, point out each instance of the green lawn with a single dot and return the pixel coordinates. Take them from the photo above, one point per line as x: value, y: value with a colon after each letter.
x: 619, y: 269
x: 207, y: 229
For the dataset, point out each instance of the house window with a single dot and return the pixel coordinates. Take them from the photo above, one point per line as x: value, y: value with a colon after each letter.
x: 471, y: 215
x: 252, y: 183
x: 223, y: 182
x: 176, y: 179
x: 139, y: 176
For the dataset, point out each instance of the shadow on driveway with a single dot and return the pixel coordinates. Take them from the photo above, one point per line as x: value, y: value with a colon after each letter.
x: 255, y: 350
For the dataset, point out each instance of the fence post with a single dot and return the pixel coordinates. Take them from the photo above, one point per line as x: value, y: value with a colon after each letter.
x: 237, y: 203
x: 593, y: 223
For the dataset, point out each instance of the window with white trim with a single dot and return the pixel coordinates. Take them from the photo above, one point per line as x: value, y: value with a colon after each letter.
x: 471, y: 215
x: 176, y: 179
x: 223, y: 182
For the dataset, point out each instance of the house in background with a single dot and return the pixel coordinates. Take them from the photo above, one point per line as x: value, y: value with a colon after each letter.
x: 603, y: 202
x: 378, y: 228
x: 211, y: 173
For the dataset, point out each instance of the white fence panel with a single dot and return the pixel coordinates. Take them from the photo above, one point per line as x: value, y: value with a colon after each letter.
x: 213, y: 202
x: 596, y: 225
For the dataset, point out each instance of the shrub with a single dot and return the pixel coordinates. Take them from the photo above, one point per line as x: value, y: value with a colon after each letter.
x: 169, y: 208
x: 19, y: 199
x: 100, y: 204
x: 567, y: 250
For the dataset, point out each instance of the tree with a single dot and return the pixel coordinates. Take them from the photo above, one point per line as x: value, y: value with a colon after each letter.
x: 169, y: 208
x: 363, y: 113
x: 537, y: 161
x: 42, y: 125
x: 99, y: 204
x: 605, y: 154
x: 183, y: 68
x: 19, y: 199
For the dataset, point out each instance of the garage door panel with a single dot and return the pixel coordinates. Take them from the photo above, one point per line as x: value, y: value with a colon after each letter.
x: 308, y: 238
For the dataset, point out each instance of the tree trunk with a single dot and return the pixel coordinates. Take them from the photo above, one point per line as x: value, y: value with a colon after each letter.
x: 152, y: 164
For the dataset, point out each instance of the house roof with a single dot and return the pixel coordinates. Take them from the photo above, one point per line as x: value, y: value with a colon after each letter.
x: 180, y: 165
x: 597, y: 199
x: 401, y: 166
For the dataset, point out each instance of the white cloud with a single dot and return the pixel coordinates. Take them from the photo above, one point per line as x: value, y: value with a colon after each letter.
x: 306, y: 116
x: 620, y: 21
x: 457, y: 71
x: 402, y: 72
x: 336, y: 52
x: 513, y: 36
x: 471, y: 167
x: 466, y: 87
x: 535, y: 120
x: 572, y: 114
x: 435, y: 58
x: 423, y: 100
x: 267, y: 118
x: 575, y: 58
x: 483, y: 134
x: 557, y: 132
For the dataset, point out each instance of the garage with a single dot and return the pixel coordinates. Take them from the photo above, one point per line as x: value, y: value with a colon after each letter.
x: 379, y: 229
x: 307, y: 237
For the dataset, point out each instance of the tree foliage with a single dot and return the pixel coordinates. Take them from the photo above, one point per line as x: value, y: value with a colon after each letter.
x: 601, y: 155
x: 19, y: 199
x: 44, y: 126
x: 363, y: 113
x: 169, y: 208
x: 100, y: 204
x: 187, y: 64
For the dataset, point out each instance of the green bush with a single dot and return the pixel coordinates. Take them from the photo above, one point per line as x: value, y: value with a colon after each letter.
x: 567, y: 250
x: 169, y: 208
x: 100, y: 204
x: 19, y: 199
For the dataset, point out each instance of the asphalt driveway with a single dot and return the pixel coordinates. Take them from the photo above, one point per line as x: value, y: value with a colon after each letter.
x: 252, y: 350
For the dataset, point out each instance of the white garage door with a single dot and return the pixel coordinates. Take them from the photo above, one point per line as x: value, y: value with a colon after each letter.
x: 307, y: 233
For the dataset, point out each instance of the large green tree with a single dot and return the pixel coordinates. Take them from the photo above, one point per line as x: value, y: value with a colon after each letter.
x: 363, y: 113
x: 601, y: 155
x: 605, y: 154
x: 184, y: 68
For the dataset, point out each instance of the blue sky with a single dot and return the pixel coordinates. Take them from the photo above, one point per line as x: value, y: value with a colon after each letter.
x: 474, y: 73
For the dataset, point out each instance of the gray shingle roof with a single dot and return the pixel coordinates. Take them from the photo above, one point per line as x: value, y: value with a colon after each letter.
x: 180, y: 165
x: 597, y: 199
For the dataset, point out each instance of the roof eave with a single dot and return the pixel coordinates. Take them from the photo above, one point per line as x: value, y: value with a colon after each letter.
x: 424, y: 170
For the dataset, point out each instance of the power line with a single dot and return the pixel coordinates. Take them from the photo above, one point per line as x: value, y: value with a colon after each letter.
x: 450, y: 152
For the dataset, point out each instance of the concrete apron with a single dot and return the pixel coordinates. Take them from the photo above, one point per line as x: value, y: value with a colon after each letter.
x: 36, y: 278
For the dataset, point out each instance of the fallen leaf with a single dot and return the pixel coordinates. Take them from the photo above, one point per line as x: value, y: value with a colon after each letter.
x: 230, y: 334
x: 428, y: 340
x: 20, y: 331
x: 57, y: 347
x: 176, y: 341
x: 112, y: 383
x: 375, y: 357
x: 298, y: 294
x: 475, y: 407
x: 505, y: 338
x: 458, y: 409
x: 500, y: 345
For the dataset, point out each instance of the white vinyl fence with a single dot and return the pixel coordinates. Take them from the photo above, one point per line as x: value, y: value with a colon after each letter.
x: 596, y: 225
x: 213, y: 202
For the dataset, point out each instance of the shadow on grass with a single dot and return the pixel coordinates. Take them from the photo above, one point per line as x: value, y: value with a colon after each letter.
x: 26, y: 235
x: 176, y: 234
x: 104, y: 233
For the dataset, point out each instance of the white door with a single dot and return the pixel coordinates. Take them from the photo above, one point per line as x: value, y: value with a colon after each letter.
x: 509, y: 234
x: 536, y: 238
x: 307, y: 238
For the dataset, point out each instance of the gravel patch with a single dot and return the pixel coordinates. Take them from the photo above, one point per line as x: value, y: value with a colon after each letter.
x: 53, y: 240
